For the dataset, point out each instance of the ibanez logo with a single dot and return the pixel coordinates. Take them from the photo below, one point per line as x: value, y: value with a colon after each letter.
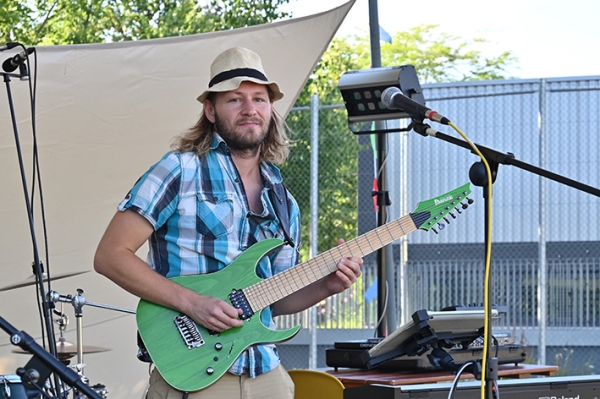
x: 439, y: 201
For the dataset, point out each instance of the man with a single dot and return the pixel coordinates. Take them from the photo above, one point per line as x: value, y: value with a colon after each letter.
x: 201, y: 206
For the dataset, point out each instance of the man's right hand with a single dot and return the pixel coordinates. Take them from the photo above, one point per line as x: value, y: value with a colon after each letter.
x: 214, y: 313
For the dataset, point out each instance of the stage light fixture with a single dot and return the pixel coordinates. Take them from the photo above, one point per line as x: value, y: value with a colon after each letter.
x: 362, y: 90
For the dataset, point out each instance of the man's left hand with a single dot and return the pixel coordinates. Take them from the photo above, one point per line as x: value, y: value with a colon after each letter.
x: 348, y: 270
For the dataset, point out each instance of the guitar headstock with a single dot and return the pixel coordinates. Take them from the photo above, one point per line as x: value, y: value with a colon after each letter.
x: 436, y: 210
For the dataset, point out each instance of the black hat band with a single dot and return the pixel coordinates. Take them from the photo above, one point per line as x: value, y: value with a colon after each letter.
x: 233, y: 73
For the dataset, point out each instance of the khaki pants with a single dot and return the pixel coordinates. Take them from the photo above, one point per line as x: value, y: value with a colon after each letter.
x: 274, y: 384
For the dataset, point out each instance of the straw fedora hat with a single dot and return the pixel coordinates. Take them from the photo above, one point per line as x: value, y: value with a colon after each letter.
x: 234, y: 66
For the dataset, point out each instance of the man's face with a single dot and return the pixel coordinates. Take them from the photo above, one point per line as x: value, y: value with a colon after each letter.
x: 241, y: 116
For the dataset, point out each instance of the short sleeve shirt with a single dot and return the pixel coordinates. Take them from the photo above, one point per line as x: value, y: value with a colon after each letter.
x: 202, y: 222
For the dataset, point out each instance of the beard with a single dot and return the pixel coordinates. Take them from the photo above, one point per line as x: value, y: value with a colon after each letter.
x: 242, y: 138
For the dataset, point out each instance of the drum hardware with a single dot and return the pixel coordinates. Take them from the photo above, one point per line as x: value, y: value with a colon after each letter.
x: 76, y: 393
x: 66, y: 348
x: 32, y: 280
x: 78, y: 301
x: 11, y: 387
x: 42, y: 364
x: 46, y: 362
x: 101, y: 390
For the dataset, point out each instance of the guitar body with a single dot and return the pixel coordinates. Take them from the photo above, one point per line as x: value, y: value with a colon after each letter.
x: 190, y: 369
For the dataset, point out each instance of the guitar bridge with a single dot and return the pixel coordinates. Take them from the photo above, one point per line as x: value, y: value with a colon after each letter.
x: 189, y: 331
x: 239, y: 301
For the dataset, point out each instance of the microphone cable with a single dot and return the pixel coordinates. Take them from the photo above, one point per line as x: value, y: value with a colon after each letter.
x: 30, y: 75
x: 488, y: 233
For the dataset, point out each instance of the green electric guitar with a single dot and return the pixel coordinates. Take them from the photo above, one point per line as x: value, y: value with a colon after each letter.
x: 190, y: 357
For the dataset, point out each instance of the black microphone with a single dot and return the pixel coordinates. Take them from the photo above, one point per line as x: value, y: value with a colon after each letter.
x: 13, y: 63
x: 393, y: 98
x: 8, y: 46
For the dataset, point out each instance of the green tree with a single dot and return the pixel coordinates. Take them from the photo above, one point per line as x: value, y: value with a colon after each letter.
x: 50, y: 22
x: 436, y: 56
x: 337, y: 150
x: 14, y: 22
x: 440, y: 57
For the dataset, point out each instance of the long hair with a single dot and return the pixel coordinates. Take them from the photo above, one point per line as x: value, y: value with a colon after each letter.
x: 275, y: 148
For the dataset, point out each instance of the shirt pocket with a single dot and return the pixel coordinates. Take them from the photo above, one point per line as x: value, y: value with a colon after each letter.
x: 268, y: 228
x: 214, y: 216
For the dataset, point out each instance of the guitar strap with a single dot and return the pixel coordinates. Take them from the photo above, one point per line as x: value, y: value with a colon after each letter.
x: 142, y: 354
x: 279, y: 199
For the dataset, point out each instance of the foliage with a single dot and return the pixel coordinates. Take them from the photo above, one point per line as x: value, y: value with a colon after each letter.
x: 567, y: 366
x: 14, y: 23
x: 437, y: 57
x: 338, y: 147
x: 337, y: 176
x: 50, y: 22
x: 340, y: 57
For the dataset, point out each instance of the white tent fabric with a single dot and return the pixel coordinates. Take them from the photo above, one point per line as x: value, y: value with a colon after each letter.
x: 104, y: 114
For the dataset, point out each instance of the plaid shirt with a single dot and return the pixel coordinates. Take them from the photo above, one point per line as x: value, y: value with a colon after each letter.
x: 202, y: 222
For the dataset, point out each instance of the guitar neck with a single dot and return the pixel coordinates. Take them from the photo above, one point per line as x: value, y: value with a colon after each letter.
x: 271, y: 290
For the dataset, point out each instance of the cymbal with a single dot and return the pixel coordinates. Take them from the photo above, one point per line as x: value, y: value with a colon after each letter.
x: 66, y: 350
x: 33, y: 278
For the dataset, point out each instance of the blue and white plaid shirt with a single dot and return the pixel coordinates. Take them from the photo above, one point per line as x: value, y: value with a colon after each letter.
x: 201, y: 224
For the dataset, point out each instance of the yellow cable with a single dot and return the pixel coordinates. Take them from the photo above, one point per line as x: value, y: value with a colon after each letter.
x: 486, y: 305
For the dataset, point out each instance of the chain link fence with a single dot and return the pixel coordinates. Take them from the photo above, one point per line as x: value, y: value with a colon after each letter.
x: 546, y: 245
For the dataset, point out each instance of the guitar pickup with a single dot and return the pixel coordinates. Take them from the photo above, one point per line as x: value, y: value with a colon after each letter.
x: 239, y: 301
x: 189, y: 331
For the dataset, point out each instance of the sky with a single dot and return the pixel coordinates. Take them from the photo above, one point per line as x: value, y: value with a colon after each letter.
x: 549, y: 38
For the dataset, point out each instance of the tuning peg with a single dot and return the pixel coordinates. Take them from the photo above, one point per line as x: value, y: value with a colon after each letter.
x: 458, y: 210
x: 446, y: 220
x: 452, y: 215
x: 434, y: 230
x: 470, y: 201
x: 464, y: 206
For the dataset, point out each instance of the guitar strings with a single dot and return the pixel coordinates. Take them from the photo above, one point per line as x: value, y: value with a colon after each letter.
x: 268, y: 291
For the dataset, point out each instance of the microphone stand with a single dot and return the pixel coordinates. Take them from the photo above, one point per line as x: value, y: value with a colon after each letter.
x: 37, y: 265
x: 496, y: 157
x: 478, y: 177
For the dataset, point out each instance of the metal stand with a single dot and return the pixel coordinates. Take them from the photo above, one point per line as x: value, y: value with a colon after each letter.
x: 479, y: 178
x: 383, y: 200
x: 37, y: 264
x: 78, y: 301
